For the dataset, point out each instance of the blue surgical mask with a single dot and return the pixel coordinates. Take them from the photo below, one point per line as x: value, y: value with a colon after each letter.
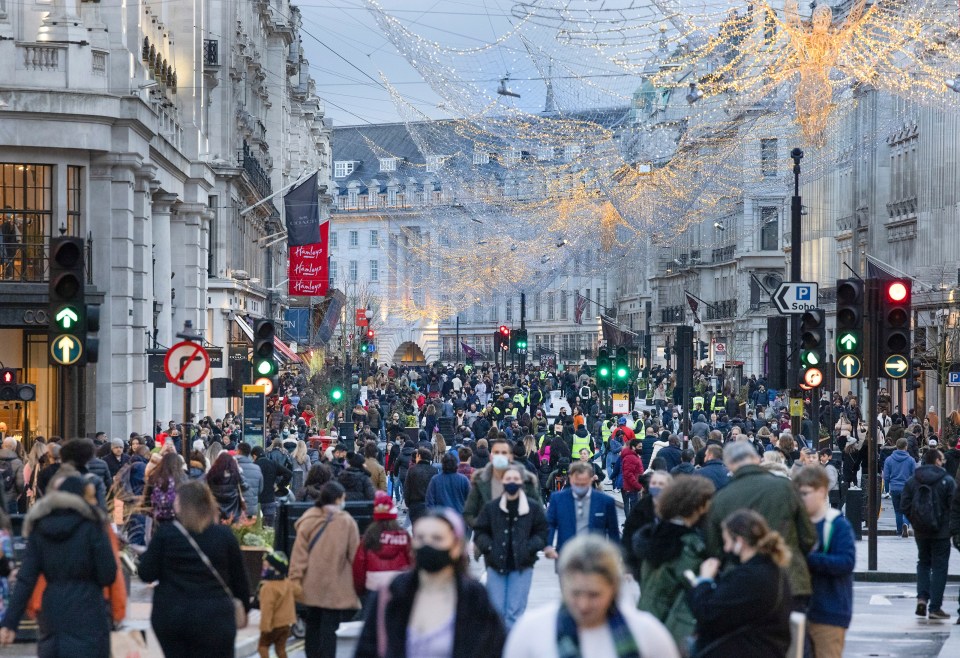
x: 654, y: 491
x: 500, y: 462
x: 580, y: 492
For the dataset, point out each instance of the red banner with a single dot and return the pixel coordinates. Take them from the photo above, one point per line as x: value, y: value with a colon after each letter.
x: 308, y: 269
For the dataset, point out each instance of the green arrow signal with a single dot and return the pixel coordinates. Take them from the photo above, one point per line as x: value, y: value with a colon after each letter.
x: 848, y: 342
x: 66, y: 316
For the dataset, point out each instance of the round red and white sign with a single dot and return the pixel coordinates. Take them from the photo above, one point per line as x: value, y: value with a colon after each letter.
x: 186, y: 364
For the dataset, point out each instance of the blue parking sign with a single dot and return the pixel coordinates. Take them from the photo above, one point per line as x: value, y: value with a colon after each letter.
x: 954, y: 379
x: 803, y: 293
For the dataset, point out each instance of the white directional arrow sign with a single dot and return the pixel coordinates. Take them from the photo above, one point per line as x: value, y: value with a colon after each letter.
x: 795, y: 297
x: 849, y: 366
x: 896, y: 366
x: 66, y: 349
x: 66, y: 317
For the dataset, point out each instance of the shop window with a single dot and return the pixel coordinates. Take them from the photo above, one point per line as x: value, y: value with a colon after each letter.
x: 25, y: 219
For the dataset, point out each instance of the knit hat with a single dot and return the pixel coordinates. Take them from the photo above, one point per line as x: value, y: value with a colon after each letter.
x: 276, y: 565
x: 384, y: 508
x: 116, y: 443
x: 198, y: 445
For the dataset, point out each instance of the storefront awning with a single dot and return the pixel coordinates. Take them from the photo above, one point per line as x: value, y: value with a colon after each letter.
x: 288, y: 354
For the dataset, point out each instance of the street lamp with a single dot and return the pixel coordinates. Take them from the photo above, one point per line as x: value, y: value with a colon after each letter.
x: 694, y: 94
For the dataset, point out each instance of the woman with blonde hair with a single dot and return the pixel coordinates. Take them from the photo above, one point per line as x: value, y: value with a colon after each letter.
x: 439, y: 447
x: 744, y: 611
x: 31, y: 468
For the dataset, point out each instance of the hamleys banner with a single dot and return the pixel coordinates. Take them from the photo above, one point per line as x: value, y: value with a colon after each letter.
x: 308, y: 269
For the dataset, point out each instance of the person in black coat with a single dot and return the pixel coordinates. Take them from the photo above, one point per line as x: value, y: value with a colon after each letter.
x: 356, y: 480
x: 192, y: 612
x: 415, y: 486
x: 69, y: 545
x: 745, y: 611
x: 441, y: 561
x: 275, y: 476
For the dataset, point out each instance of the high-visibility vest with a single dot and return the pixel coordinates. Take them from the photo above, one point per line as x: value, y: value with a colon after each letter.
x: 605, y: 432
x: 698, y: 400
x: 719, y: 402
x: 580, y: 442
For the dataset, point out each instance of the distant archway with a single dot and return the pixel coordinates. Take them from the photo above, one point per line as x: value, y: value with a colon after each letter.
x: 409, y: 353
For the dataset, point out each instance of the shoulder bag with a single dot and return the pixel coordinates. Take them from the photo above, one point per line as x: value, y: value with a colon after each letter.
x: 239, y: 609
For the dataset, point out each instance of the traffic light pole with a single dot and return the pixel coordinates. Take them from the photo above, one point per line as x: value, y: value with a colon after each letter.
x: 796, y: 238
x: 523, y: 326
x: 872, y: 353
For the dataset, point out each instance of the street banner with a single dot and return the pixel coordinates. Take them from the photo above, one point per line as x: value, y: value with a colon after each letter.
x: 308, y: 267
x: 302, y: 206
x: 331, y: 316
x: 694, y: 306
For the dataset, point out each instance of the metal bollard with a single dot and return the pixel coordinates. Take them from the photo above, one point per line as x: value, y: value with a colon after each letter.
x: 854, y: 510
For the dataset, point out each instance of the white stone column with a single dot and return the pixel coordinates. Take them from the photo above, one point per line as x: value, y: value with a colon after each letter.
x: 163, y: 249
x: 62, y: 23
x: 142, y: 295
x: 189, y: 227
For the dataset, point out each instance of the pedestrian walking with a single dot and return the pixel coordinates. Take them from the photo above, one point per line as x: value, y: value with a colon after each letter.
x: 897, y: 469
x: 356, y: 480
x: 486, y: 483
x: 385, y: 550
x: 831, y: 564
x: 436, y: 609
x: 450, y: 488
x: 227, y: 485
x: 668, y: 548
x: 275, y: 476
x: 631, y: 467
x: 418, y: 481
x: 578, y: 509
x: 589, y: 620
x: 252, y: 478
x: 744, y: 611
x: 277, y: 606
x: 67, y: 543
x: 377, y: 473
x: 508, y: 533
x: 926, y: 501
x: 198, y: 568
x: 321, y: 565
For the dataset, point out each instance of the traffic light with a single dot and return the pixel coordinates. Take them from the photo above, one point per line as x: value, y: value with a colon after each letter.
x: 336, y: 394
x: 913, y: 379
x: 777, y: 350
x: 704, y: 351
x: 67, y: 306
x: 10, y: 390
x: 621, y: 371
x: 504, y: 332
x: 518, y: 341
x: 813, y: 331
x: 849, y: 327
x: 264, y: 362
x: 603, y: 368
x: 367, y: 346
x: 895, y: 311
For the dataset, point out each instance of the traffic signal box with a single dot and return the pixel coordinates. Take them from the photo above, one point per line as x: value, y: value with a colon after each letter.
x: 813, y: 331
x: 10, y: 390
x: 850, y: 303
x: 504, y: 338
x: 264, y: 359
x: 604, y: 368
x: 621, y: 369
x: 73, y: 324
x: 895, y: 311
x: 367, y: 344
x: 518, y: 341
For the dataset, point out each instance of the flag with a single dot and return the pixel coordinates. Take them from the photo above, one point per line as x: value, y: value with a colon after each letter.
x: 612, y: 333
x: 330, y: 317
x: 877, y: 271
x: 308, y: 267
x: 302, y: 206
x: 469, y: 351
x: 579, y: 306
x: 694, y: 306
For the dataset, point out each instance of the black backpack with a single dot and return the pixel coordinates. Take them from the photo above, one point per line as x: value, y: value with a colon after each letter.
x: 926, y: 509
x: 7, y: 475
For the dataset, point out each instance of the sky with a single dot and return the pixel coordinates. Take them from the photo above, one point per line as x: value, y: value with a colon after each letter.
x: 348, y: 52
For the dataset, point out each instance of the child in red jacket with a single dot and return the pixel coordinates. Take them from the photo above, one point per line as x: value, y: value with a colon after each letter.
x: 384, y: 551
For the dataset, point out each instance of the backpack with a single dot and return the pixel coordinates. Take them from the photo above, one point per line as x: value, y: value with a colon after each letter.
x: 7, y: 475
x: 926, y: 509
x: 161, y: 502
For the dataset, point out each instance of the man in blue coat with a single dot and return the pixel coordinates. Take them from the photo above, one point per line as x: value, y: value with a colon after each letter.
x: 579, y: 508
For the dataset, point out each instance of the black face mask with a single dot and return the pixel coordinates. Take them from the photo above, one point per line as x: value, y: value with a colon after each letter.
x: 512, y: 487
x: 432, y: 559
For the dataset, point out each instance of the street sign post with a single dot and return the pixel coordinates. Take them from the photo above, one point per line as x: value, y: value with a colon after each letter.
x: 621, y: 403
x: 253, y: 415
x: 186, y: 364
x: 798, y: 298
x: 896, y: 366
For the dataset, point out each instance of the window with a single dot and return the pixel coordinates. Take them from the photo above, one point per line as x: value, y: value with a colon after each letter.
x: 26, y: 220
x: 374, y: 239
x: 388, y: 164
x: 434, y: 162
x: 342, y: 168
x: 353, y: 271
x: 480, y: 157
x: 353, y: 198
x: 333, y: 272
x: 333, y: 239
x: 551, y: 304
x: 769, y: 229
x: 374, y: 270
x: 768, y: 157
x: 512, y: 156
x: 563, y: 304
x: 74, y: 202
x: 537, y: 305
x: 354, y: 238
x: 599, y: 303
x: 545, y: 153
x: 571, y: 152
x: 509, y: 309
x: 492, y: 314
x: 213, y: 205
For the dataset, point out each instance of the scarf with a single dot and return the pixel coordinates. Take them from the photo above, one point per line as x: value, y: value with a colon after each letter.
x: 568, y: 642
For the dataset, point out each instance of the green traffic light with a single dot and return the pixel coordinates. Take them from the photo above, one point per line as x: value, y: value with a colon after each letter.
x: 67, y: 318
x: 336, y: 395
x: 809, y: 358
x: 848, y: 341
x: 604, y: 371
x: 621, y: 373
x: 264, y: 368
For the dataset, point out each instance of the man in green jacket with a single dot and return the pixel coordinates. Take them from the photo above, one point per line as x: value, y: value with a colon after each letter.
x: 485, y: 485
x: 776, y: 500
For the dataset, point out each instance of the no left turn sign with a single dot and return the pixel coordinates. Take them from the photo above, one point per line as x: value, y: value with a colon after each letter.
x: 186, y: 364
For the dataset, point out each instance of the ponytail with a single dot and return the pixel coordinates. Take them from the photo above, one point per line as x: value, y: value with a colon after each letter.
x: 773, y: 546
x: 753, y: 529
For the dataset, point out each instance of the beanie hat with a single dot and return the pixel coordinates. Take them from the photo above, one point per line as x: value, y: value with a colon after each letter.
x: 384, y: 508
x: 198, y: 445
x: 622, y: 420
x: 116, y: 443
x: 276, y: 565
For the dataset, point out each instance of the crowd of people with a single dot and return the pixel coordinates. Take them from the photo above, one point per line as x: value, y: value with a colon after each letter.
x: 728, y: 530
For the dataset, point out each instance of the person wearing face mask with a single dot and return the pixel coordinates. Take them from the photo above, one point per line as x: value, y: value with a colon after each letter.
x: 508, y: 533
x: 436, y: 609
x: 744, y: 611
x: 590, y: 620
x: 642, y: 514
x: 487, y: 482
x: 579, y: 509
x: 321, y: 568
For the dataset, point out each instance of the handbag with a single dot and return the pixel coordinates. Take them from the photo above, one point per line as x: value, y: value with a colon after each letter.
x: 132, y: 643
x: 239, y: 609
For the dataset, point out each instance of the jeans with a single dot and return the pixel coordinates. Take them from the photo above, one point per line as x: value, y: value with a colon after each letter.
x: 629, y: 500
x: 508, y: 593
x: 933, y: 555
x: 320, y: 640
x: 897, y: 511
x: 11, y: 498
x: 269, y: 514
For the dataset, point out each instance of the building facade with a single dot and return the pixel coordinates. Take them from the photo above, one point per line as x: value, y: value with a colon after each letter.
x: 115, y: 128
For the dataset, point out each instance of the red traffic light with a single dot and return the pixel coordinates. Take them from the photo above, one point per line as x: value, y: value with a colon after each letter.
x: 370, y: 334
x: 897, y: 291
x: 8, y: 376
x: 504, y: 330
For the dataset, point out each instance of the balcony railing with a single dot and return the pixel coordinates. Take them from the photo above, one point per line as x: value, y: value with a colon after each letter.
x: 29, y: 262
x: 722, y: 310
x: 672, y: 314
x: 211, y: 52
x: 255, y: 172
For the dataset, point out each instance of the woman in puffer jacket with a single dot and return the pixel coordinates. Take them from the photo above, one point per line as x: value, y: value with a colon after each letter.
x: 385, y: 549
